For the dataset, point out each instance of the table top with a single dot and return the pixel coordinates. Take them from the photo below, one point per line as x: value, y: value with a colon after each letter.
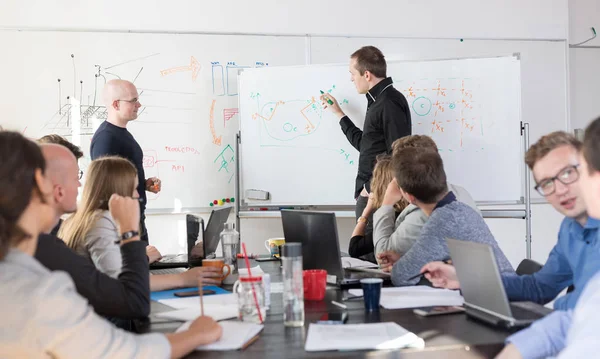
x: 447, y: 336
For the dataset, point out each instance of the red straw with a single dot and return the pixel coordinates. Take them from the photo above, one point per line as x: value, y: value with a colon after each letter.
x: 252, y: 283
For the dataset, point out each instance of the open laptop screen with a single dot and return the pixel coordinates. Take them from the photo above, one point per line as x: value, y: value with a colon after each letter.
x: 317, y: 231
x: 479, y: 277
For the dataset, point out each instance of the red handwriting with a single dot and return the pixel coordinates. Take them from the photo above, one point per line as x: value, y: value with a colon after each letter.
x: 178, y: 168
x: 148, y: 161
x: 182, y: 149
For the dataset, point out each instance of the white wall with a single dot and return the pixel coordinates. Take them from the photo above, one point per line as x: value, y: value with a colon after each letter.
x: 531, y: 19
x: 584, y: 69
x: 498, y: 19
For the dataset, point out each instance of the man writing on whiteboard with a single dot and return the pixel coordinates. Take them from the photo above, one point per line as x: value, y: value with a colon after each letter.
x: 112, y: 138
x: 387, y: 119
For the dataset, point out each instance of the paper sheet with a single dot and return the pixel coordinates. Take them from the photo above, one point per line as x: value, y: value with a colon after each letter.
x: 322, y: 337
x: 194, y: 302
x: 415, y: 297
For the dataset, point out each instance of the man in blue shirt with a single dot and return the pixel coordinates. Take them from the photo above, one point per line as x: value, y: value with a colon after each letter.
x: 576, y: 257
x: 548, y: 337
x: 112, y: 138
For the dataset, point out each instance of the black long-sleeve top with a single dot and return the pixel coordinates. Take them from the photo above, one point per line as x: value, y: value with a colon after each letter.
x: 387, y: 119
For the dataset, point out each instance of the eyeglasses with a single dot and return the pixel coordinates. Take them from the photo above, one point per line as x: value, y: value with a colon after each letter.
x: 80, y: 174
x: 133, y: 100
x: 567, y: 175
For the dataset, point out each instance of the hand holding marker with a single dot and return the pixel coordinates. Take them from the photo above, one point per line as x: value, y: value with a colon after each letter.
x: 327, y: 98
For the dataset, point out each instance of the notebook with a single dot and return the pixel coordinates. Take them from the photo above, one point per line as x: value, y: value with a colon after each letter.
x: 236, y: 335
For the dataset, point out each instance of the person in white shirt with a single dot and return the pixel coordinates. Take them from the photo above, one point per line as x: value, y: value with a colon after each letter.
x: 42, y: 314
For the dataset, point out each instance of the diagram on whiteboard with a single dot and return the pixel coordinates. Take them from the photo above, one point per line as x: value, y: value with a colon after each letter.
x: 446, y: 108
x: 287, y: 120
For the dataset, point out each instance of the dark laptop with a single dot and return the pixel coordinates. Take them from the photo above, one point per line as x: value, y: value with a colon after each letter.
x: 482, y: 288
x: 317, y: 231
x: 195, y: 231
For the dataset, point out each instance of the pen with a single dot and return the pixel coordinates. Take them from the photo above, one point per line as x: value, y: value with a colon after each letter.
x: 446, y: 261
x: 343, y: 306
x: 328, y: 99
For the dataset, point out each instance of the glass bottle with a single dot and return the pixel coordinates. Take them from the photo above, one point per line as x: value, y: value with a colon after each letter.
x: 293, y: 286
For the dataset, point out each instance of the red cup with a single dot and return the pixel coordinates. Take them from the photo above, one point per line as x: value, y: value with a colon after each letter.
x: 315, y: 282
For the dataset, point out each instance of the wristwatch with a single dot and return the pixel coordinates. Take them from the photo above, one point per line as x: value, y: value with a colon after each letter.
x: 362, y: 219
x: 127, y: 235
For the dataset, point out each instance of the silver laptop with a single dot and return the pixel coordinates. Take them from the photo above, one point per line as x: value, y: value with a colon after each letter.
x: 482, y: 288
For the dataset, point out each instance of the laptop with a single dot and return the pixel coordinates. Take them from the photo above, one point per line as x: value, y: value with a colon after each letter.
x: 317, y: 231
x: 196, y: 231
x: 482, y: 288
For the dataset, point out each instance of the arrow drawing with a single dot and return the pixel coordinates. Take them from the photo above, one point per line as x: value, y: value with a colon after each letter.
x: 194, y: 67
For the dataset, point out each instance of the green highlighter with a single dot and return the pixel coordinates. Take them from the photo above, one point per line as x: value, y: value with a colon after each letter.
x: 328, y: 100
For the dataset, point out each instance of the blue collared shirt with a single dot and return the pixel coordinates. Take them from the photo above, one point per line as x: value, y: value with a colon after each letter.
x: 544, y: 338
x: 573, y: 260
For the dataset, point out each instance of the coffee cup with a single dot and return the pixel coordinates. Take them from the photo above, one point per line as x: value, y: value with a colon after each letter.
x: 272, y: 245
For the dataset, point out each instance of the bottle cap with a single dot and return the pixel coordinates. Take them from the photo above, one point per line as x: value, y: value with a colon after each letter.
x: 229, y: 225
x: 292, y: 250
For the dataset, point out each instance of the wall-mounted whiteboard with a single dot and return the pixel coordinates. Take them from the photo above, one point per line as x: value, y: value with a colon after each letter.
x: 297, y: 152
x: 188, y: 91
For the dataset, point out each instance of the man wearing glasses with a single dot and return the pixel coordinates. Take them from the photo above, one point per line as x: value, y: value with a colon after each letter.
x: 112, y: 138
x: 575, y: 258
x: 61, y: 171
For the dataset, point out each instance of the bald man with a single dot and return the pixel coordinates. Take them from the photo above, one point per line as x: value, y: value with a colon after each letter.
x: 112, y: 138
x: 63, y: 171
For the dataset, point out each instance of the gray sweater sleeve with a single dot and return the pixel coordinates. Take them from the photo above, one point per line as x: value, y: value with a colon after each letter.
x: 401, y: 235
x: 100, y: 244
x: 429, y: 247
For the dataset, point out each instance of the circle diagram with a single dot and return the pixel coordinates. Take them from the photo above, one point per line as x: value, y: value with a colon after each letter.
x: 422, y: 106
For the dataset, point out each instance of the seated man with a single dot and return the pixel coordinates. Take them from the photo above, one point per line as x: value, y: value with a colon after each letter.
x: 420, y: 175
x: 574, y: 331
x: 398, y: 232
x: 576, y: 257
x: 125, y: 297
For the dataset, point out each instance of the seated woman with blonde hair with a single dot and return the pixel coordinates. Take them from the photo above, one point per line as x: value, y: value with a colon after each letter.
x: 92, y: 232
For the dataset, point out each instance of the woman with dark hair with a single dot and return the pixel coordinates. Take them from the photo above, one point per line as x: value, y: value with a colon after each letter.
x: 46, y: 316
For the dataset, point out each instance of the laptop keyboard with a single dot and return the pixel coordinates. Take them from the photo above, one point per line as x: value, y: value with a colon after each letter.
x: 178, y: 258
x: 527, y: 311
x: 168, y: 271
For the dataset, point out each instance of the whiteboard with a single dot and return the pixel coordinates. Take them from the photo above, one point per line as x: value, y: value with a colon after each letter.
x: 297, y: 152
x: 188, y: 91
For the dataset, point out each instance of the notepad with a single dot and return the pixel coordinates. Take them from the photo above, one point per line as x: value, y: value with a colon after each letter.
x: 194, y: 302
x: 215, y: 311
x: 375, y: 336
x: 415, y: 297
x: 235, y: 335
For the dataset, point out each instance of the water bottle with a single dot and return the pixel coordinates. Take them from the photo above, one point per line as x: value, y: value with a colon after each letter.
x: 293, y: 286
x: 230, y: 242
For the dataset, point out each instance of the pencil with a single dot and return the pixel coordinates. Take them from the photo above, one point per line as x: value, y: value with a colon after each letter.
x: 250, y: 342
x: 200, y: 292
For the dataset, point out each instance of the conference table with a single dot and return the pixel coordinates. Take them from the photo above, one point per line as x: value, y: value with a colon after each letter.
x: 445, y: 336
